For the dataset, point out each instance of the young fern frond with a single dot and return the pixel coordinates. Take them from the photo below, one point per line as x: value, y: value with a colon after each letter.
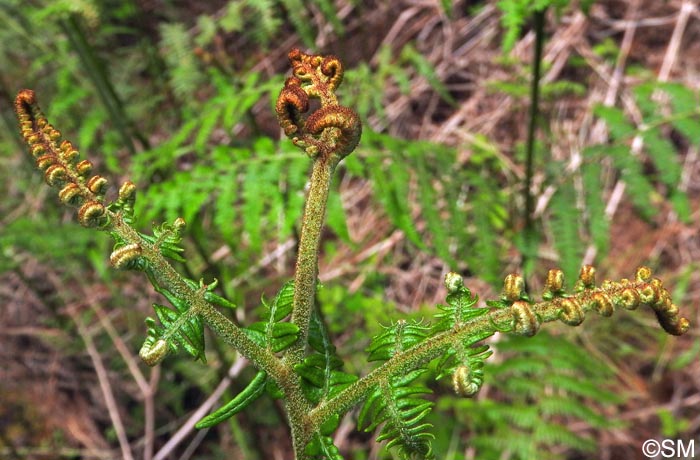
x: 396, y: 401
x: 565, y: 223
x: 181, y: 326
x: 272, y: 333
x: 321, y: 370
x: 463, y: 361
x: 252, y: 391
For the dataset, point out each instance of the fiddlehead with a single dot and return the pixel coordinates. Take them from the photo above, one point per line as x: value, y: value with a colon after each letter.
x: 461, y: 325
x: 463, y: 361
x: 332, y: 130
x: 315, y: 388
x: 58, y: 160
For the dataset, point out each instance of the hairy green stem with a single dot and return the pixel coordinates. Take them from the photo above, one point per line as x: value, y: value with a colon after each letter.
x: 170, y: 279
x: 296, y: 404
x: 306, y: 271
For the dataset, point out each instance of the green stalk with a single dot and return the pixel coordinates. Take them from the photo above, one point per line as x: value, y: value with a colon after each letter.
x: 529, y: 229
x: 306, y: 272
x: 166, y: 276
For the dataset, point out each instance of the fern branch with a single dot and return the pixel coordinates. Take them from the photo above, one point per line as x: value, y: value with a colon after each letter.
x: 62, y: 170
x: 512, y: 314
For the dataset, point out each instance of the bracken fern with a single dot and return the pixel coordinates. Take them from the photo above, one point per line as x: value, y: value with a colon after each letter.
x: 290, y: 346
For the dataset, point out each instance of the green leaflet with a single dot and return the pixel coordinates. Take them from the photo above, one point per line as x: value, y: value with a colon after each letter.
x: 299, y: 16
x: 184, y: 73
x: 242, y: 400
x: 465, y: 364
x: 463, y: 210
x: 166, y: 237
x: 459, y: 308
x: 620, y: 127
x: 189, y: 334
x: 395, y: 339
x: 321, y: 371
x: 597, y: 220
x: 398, y: 405
x: 528, y: 414
x: 209, y: 294
x: 322, y: 448
x: 396, y: 402
x: 428, y: 199
x: 516, y: 13
x: 272, y: 333
x: 177, y: 330
x: 565, y: 224
x: 461, y: 360
x: 639, y: 189
x: 426, y: 70
x: 179, y: 326
x: 678, y: 111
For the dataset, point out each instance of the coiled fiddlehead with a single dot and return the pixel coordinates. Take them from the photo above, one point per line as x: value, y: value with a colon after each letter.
x: 331, y: 130
x: 556, y: 304
x: 58, y: 160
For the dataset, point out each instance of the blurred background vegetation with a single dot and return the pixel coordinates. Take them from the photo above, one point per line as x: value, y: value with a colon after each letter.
x: 178, y: 97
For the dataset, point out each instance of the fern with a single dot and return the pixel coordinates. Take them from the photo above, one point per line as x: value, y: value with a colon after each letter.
x: 517, y: 12
x: 184, y: 72
x: 322, y: 370
x: 180, y: 326
x: 565, y: 223
x: 298, y: 15
x: 597, y: 221
x: 543, y: 385
x: 399, y: 168
x: 323, y: 378
x: 661, y: 151
x: 426, y: 70
x: 252, y: 391
x: 246, y: 198
x: 396, y: 402
x: 330, y: 12
x: 684, y: 103
x: 489, y: 220
x: 296, y: 359
x: 272, y: 333
x: 430, y: 208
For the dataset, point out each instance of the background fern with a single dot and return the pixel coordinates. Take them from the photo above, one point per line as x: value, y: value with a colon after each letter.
x: 543, y: 372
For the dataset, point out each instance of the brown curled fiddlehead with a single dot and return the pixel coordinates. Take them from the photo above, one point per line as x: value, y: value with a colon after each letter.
x: 332, y: 130
x: 526, y: 314
x: 291, y: 104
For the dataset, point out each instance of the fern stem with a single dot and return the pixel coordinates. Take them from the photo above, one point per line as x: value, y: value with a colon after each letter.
x: 529, y: 229
x: 105, y: 90
x: 306, y: 271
